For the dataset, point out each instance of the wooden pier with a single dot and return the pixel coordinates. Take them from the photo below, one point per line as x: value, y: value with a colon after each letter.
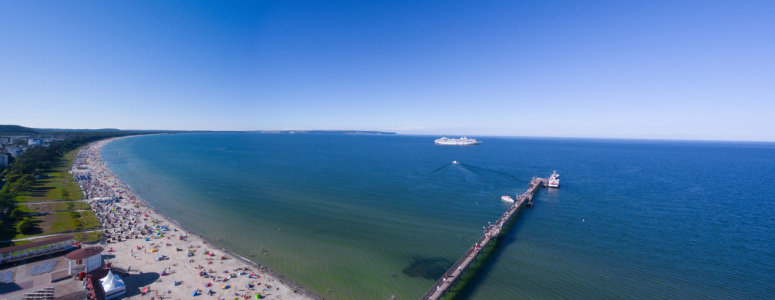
x: 491, y: 232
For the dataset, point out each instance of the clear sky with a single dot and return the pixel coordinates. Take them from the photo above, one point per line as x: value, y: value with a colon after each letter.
x: 618, y: 69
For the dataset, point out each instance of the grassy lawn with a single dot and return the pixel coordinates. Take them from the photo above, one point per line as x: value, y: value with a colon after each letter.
x: 83, y: 237
x: 89, y: 220
x: 52, y: 183
x: 46, y: 207
x: 89, y: 237
x: 53, y: 223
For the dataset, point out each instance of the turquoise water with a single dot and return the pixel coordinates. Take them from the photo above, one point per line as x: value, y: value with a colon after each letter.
x: 633, y: 219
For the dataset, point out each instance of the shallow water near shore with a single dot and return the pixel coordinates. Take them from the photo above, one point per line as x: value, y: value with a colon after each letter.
x: 368, y: 217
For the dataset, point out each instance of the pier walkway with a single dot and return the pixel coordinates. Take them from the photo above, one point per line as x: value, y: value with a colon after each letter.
x: 491, y: 232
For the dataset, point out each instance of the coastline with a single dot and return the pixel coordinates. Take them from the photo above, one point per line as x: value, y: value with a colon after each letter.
x: 281, y: 286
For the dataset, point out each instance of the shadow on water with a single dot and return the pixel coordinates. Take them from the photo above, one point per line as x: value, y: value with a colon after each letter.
x: 428, y: 268
x: 470, y: 167
x: 472, y: 283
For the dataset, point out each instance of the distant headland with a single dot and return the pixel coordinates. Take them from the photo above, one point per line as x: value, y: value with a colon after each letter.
x: 16, y: 130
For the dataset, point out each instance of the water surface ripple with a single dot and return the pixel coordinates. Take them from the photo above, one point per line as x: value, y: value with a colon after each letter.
x: 632, y: 220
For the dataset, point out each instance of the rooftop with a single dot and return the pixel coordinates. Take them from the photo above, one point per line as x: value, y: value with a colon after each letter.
x: 84, y: 253
x: 52, y: 240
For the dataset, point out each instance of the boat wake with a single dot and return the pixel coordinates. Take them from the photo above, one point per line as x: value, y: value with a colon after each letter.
x: 442, y: 167
x: 493, y: 171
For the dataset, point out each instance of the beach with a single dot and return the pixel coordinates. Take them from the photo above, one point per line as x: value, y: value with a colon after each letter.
x: 161, y: 258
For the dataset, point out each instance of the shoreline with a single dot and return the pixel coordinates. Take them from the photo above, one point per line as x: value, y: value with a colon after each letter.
x: 287, y: 291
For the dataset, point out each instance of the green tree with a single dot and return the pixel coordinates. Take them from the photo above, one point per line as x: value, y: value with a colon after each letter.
x: 26, y: 226
x: 65, y: 193
x: 17, y: 214
x: 13, y: 177
x: 5, y: 195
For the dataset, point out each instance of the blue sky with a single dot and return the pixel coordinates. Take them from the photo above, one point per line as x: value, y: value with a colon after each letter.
x: 609, y: 69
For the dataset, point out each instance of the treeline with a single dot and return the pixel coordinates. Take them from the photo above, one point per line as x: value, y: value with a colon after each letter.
x: 20, y: 174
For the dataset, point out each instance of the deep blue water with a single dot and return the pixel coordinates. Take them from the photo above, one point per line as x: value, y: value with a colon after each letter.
x: 632, y: 219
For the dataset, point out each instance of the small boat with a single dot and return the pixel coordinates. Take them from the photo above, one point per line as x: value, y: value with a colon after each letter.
x: 554, y: 180
x: 507, y: 199
x: 454, y: 162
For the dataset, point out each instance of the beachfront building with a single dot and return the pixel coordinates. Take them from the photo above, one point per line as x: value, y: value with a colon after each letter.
x: 37, y: 248
x: 84, y: 260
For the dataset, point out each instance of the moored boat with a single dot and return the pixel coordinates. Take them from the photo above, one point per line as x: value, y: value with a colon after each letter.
x: 554, y: 180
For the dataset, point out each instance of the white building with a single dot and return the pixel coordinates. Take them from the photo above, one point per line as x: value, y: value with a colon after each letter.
x: 15, y: 152
x: 37, y: 248
x: 16, y: 139
x: 4, y: 160
x: 36, y: 142
x: 84, y: 260
x: 4, y: 141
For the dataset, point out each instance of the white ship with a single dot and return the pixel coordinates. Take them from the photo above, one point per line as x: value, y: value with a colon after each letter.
x: 507, y: 199
x: 461, y: 141
x: 554, y: 180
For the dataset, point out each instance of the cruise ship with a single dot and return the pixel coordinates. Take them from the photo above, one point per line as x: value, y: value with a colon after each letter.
x: 461, y: 141
x: 554, y: 180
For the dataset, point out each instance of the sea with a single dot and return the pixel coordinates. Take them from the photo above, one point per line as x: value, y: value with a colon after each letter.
x: 383, y: 216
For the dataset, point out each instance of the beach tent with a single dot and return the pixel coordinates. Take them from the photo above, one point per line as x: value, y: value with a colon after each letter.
x: 113, y: 286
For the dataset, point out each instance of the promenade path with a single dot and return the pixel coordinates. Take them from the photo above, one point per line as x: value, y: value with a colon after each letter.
x: 50, y: 201
x: 50, y: 235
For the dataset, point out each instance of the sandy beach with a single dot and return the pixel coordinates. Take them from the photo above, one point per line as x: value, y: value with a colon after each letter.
x: 162, y: 259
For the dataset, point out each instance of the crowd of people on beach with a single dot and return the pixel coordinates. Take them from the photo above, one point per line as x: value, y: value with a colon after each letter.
x: 122, y: 223
x: 93, y: 177
x: 139, y: 235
